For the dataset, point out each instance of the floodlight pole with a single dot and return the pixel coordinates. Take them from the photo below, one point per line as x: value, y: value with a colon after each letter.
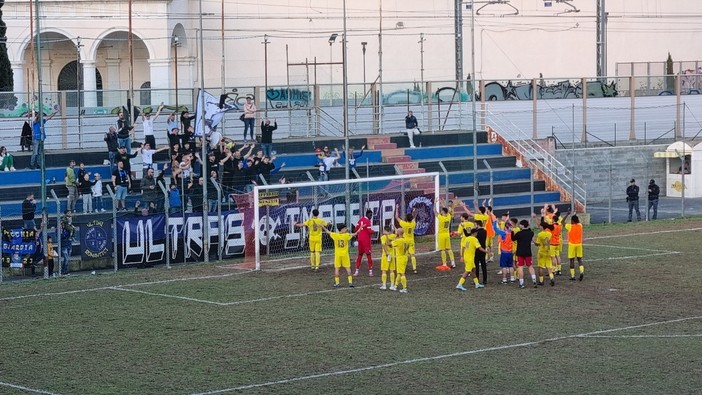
x: 345, y: 118
x: 472, y: 99
x: 203, y: 155
x: 42, y: 130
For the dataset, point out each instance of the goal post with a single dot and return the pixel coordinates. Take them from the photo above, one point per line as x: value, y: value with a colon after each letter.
x: 276, y: 209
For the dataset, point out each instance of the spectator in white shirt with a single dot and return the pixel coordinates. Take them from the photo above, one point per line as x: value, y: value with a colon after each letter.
x: 148, y: 121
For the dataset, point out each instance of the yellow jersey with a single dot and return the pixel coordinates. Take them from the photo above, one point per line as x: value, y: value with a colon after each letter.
x: 543, y: 239
x: 315, y: 227
x: 400, y: 246
x: 384, y: 239
x: 465, y: 225
x: 408, y: 227
x: 444, y: 223
x: 341, y: 243
x: 469, y: 245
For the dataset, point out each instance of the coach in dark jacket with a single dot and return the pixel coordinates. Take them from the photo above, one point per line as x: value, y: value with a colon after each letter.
x: 632, y: 197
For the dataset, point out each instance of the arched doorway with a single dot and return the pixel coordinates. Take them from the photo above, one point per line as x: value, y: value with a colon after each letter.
x: 68, y: 80
x: 145, y: 93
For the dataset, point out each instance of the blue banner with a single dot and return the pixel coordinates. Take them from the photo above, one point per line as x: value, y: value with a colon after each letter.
x: 18, y: 247
x: 95, y: 239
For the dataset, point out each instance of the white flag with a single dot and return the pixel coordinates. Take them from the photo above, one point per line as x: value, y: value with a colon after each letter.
x: 213, y: 113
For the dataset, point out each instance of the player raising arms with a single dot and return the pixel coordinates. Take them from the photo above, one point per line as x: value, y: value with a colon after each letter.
x: 575, y: 245
x: 401, y: 247
x: 341, y: 251
x: 408, y: 226
x: 364, y: 242
x: 469, y: 247
x: 387, y: 259
x: 315, y: 225
x: 543, y: 240
x: 556, y: 244
x: 484, y: 214
x: 504, y: 234
x: 443, y: 218
x: 523, y: 237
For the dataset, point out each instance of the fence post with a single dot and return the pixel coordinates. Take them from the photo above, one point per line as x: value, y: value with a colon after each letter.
x: 446, y: 181
x: 166, y: 209
x: 220, y: 242
x: 1, y: 269
x: 58, y: 229
x: 491, y: 178
x: 114, y: 227
x: 531, y: 191
x: 609, y: 205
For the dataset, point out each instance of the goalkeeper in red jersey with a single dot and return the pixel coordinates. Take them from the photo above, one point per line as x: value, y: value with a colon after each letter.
x: 364, y: 242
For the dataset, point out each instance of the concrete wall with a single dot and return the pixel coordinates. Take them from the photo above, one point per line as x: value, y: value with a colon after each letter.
x: 592, y: 167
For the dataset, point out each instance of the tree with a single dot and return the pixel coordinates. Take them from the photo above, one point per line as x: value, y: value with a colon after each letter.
x: 669, y: 74
x: 7, y: 84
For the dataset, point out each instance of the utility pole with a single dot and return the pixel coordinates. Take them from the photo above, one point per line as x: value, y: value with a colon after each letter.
x: 265, y: 73
x: 601, y: 39
x: 79, y: 69
x: 458, y: 33
x: 421, y: 59
x: 363, y: 48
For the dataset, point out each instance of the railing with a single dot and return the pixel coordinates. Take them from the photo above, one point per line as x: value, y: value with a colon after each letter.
x: 536, y: 156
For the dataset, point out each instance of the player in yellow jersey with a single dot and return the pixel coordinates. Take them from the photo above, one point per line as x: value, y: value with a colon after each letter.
x: 443, y: 218
x: 484, y: 214
x: 342, y: 239
x: 575, y: 245
x: 315, y: 226
x: 466, y: 223
x: 401, y: 247
x: 387, y: 258
x: 468, y: 247
x: 408, y: 226
x: 543, y: 257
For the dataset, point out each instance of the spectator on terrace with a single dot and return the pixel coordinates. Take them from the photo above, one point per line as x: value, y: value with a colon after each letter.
x: 267, y: 168
x: 267, y: 136
x: 147, y: 155
x: 148, y: 121
x: 125, y: 132
x: 149, y: 189
x: 7, y: 161
x: 214, y: 137
x: 29, y: 207
x: 411, y: 127
x: 186, y: 119
x: 211, y: 192
x: 37, y: 136
x: 121, y: 183
x: 249, y: 118
x: 96, y: 190
x: 85, y: 188
x: 353, y: 156
x: 112, y: 145
x: 174, y: 202
x: 123, y: 156
x: 72, y: 186
x: 174, y: 136
x: 66, y: 242
x: 195, y: 194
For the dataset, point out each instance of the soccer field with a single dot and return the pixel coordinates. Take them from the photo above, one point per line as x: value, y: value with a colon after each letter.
x: 633, y: 325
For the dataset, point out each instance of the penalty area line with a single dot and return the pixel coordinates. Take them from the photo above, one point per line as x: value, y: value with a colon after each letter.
x: 439, y: 357
x: 640, y: 336
x: 27, y: 389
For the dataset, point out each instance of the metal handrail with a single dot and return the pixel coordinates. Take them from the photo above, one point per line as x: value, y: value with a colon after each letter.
x: 537, y: 155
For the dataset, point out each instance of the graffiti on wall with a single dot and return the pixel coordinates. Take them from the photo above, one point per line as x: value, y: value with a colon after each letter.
x: 288, y: 98
x: 496, y: 91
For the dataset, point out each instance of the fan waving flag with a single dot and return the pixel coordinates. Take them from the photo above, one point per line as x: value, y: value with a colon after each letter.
x: 214, y: 112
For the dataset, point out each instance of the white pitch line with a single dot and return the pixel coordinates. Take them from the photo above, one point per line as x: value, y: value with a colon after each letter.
x: 616, y: 258
x: 627, y: 248
x: 27, y: 389
x: 167, y: 296
x: 439, y: 357
x: 121, y: 285
x: 641, y: 336
x: 657, y: 232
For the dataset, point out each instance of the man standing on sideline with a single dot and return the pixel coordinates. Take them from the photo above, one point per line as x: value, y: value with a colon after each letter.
x: 653, y: 192
x: 411, y: 127
x: 124, y: 132
x: 364, y: 242
x: 29, y: 207
x: 632, y: 197
x: 71, y: 185
x: 37, y: 136
x: 267, y: 136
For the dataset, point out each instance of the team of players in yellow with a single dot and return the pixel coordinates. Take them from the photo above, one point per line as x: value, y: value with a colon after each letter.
x: 514, y: 237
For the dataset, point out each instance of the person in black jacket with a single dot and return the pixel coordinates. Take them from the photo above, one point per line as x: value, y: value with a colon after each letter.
x: 523, y: 238
x: 112, y: 145
x: 29, y: 207
x: 267, y: 137
x: 653, y: 192
x: 480, y: 262
x: 632, y: 197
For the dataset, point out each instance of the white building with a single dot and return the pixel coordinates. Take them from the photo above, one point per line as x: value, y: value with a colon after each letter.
x: 539, y: 39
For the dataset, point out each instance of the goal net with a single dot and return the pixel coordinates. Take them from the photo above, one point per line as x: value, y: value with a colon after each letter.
x: 279, y: 243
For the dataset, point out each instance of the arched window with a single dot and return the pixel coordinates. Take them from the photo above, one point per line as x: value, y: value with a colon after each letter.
x: 68, y: 81
x: 145, y: 93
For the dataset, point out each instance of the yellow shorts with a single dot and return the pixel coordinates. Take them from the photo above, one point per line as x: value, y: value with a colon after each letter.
x: 386, y: 265
x: 444, y: 241
x: 401, y: 265
x: 488, y: 241
x: 575, y: 251
x: 315, y: 245
x: 555, y: 250
x: 470, y: 265
x: 342, y: 261
x: 543, y: 261
x: 410, y: 247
